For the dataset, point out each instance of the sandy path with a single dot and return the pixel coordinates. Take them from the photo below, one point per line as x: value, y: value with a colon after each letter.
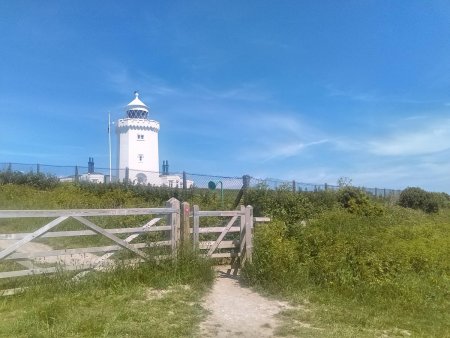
x: 237, y: 311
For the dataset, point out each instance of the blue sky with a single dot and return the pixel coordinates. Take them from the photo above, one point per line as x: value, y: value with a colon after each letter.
x: 305, y: 90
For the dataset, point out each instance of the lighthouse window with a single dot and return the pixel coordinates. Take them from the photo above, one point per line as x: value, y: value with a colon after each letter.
x: 140, y: 137
x: 140, y: 156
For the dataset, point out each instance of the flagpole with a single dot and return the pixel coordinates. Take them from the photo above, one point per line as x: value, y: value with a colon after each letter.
x: 109, y: 145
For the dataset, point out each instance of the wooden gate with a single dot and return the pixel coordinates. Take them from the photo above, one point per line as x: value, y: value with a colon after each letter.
x: 27, y: 259
x: 232, y: 239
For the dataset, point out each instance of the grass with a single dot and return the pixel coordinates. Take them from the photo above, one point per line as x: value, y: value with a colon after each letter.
x: 151, y: 300
x: 358, y: 276
x: 379, y: 271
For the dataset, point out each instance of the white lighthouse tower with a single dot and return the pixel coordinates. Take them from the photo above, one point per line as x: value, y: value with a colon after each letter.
x: 137, y: 153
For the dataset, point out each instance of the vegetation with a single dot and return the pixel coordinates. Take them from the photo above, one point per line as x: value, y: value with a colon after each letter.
x: 156, y: 300
x: 359, y: 267
x: 419, y: 199
x: 355, y: 264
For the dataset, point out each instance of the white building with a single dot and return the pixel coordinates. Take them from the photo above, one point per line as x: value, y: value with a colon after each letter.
x: 137, y: 145
x: 137, y: 148
x: 90, y: 176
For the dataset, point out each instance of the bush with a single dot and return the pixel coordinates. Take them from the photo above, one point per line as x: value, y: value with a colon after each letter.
x: 275, y: 258
x: 419, y: 199
x: 281, y: 204
x: 358, y: 202
x: 340, y: 250
x: 37, y: 180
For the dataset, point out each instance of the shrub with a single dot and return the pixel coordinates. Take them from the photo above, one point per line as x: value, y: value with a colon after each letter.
x: 37, y: 180
x: 419, y: 199
x: 275, y: 257
x: 280, y: 204
x: 358, y: 202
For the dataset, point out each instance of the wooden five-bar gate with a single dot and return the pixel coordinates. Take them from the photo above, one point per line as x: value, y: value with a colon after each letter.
x: 216, y: 234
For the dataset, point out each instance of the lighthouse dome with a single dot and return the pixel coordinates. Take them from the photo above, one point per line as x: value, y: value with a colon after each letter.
x: 137, y: 109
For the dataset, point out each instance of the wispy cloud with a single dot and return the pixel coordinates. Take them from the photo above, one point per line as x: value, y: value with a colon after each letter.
x: 351, y: 94
x: 424, y: 139
x: 123, y: 81
x: 290, y: 149
x: 375, y: 96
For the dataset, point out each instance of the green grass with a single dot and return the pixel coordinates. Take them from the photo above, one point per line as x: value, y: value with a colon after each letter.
x: 147, y: 301
x: 367, y: 270
x: 358, y: 276
x: 151, y: 300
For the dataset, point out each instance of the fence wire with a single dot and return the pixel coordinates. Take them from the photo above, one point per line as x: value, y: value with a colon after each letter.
x: 224, y: 189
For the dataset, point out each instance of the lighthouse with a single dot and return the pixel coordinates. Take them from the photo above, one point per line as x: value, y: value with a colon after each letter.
x: 137, y: 145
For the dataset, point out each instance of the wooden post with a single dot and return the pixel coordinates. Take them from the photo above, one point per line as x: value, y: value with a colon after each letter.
x: 248, y: 232
x: 174, y: 223
x: 242, y: 252
x: 185, y: 226
x: 196, y: 218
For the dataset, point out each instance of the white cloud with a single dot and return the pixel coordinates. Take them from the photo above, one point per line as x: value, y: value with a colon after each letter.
x: 285, y: 150
x: 427, y: 139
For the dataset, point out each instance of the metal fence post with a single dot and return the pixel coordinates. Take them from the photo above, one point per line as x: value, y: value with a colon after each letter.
x: 184, y: 181
x: 127, y: 175
x: 245, y: 185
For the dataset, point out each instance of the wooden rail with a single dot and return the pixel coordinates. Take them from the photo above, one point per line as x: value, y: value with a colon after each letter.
x: 238, y: 227
x: 32, y: 259
x: 231, y: 238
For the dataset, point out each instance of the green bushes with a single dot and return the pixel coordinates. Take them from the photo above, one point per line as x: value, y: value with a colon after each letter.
x: 343, y: 250
x: 358, y: 202
x: 394, y: 263
x: 416, y: 198
x: 280, y: 204
x: 37, y: 180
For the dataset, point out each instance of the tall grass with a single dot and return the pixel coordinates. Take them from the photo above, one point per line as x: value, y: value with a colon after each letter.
x: 364, y: 275
x: 149, y: 300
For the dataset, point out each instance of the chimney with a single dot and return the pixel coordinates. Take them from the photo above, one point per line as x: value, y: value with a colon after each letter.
x: 91, y: 165
x: 165, y: 167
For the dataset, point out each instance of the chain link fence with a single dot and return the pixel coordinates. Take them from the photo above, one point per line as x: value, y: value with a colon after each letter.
x: 226, y: 190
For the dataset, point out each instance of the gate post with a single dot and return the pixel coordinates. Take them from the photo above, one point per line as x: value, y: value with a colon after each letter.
x: 246, y: 240
x: 173, y: 221
x: 185, y: 226
x: 195, y: 234
x: 242, y: 238
x: 249, y: 232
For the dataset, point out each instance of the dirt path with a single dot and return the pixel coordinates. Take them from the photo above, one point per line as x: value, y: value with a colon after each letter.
x: 237, y: 311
